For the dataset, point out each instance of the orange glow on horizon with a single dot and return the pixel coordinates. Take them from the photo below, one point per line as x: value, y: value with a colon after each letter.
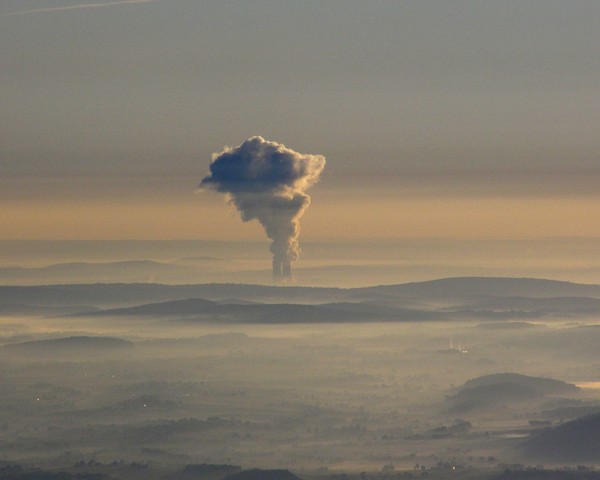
x: 328, y: 218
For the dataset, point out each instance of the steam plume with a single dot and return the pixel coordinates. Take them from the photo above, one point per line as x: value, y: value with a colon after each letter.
x: 268, y: 182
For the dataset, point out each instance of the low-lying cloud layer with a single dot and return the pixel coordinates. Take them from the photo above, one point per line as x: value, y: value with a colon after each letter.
x: 268, y: 181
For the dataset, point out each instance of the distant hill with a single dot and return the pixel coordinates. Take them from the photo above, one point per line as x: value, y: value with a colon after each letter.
x: 257, y: 474
x: 132, y: 294
x: 76, y: 344
x: 504, y: 389
x: 41, y: 310
x: 235, y: 301
x: 496, y: 299
x: 461, y: 287
x: 574, y: 441
x: 188, y: 306
x: 543, y: 385
x: 490, y: 396
x: 268, y: 313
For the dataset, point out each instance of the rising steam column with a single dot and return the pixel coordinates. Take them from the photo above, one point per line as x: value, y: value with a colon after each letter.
x: 286, y: 269
x: 277, y: 269
x: 267, y: 181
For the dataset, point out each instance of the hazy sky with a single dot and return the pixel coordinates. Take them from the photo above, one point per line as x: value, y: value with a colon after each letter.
x: 437, y: 118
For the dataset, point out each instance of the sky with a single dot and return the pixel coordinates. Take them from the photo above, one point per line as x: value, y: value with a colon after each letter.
x: 438, y: 119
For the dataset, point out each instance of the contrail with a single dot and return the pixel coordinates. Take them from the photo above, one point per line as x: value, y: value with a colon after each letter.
x: 267, y: 181
x: 76, y: 7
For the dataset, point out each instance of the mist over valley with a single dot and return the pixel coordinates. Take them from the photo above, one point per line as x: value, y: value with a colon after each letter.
x: 471, y: 377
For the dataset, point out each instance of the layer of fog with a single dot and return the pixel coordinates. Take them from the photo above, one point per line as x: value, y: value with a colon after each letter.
x: 341, y: 264
x: 346, y: 397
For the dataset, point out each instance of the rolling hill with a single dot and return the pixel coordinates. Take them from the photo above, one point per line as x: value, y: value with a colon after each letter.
x: 450, y: 298
x: 200, y: 309
x: 574, y: 441
x: 504, y: 389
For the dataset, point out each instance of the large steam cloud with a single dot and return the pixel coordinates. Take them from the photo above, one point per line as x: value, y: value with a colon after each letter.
x: 268, y: 182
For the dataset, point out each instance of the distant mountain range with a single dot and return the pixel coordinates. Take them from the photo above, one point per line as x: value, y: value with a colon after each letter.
x: 131, y: 294
x: 480, y: 298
